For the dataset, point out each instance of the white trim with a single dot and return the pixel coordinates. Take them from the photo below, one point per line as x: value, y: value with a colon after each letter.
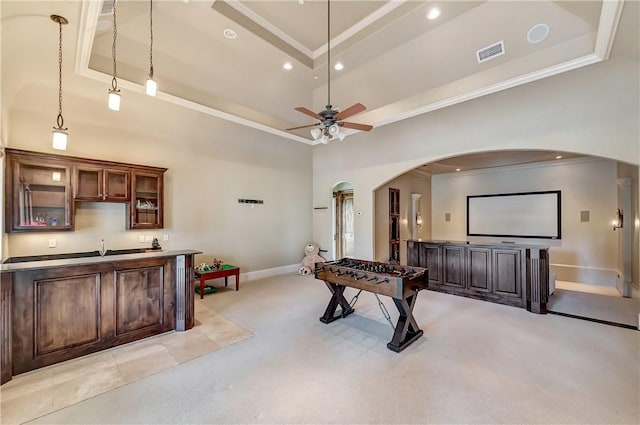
x: 359, y: 26
x: 610, y: 16
x: 607, y: 27
x: 89, y: 13
x: 503, y: 85
x: 276, y: 271
x: 270, y: 27
x: 543, y: 164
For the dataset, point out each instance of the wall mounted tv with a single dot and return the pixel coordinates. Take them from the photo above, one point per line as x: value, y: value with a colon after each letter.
x: 517, y: 215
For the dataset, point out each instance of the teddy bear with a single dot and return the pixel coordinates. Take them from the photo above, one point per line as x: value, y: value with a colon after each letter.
x: 311, y: 257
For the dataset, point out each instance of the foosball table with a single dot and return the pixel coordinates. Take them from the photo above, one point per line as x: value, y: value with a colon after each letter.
x: 401, y: 283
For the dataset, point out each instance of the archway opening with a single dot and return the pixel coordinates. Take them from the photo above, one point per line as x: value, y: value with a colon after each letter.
x: 343, y: 220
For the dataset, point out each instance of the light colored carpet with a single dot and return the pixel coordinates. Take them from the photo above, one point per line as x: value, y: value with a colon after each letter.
x: 477, y: 363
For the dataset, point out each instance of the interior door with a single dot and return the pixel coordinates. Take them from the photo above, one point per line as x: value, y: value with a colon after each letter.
x: 344, y: 224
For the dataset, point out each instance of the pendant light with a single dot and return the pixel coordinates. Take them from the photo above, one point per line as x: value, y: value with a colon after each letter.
x: 151, y: 86
x: 60, y: 133
x: 114, y: 93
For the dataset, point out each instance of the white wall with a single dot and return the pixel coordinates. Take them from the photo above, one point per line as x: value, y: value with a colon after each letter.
x: 587, y: 251
x: 632, y: 219
x: 407, y: 184
x: 592, y: 110
x: 211, y: 162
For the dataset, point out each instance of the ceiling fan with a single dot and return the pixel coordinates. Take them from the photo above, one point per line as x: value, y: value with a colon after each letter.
x: 331, y: 118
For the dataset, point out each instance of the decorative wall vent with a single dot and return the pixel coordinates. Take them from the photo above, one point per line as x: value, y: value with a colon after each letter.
x: 490, y: 52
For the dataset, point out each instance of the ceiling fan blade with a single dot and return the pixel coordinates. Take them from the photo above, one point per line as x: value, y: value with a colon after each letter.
x: 356, y: 126
x: 351, y: 110
x: 303, y: 126
x: 308, y: 112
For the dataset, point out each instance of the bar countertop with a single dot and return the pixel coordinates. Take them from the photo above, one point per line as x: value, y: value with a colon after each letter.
x: 87, y: 260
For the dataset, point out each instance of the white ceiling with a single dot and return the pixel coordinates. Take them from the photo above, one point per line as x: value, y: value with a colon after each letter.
x: 397, y: 62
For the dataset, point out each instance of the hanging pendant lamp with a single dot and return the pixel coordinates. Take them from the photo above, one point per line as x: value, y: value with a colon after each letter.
x: 114, y: 93
x: 60, y: 133
x: 151, y: 87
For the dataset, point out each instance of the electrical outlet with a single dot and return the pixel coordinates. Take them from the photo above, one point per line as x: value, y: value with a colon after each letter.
x: 148, y: 238
x: 141, y: 238
x: 52, y: 243
x: 165, y: 237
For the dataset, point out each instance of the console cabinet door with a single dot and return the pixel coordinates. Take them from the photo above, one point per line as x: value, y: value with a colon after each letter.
x: 479, y: 269
x: 431, y: 258
x: 454, y: 266
x: 507, y: 272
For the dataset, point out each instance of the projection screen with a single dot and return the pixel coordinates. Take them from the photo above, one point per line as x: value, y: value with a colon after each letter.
x: 521, y: 215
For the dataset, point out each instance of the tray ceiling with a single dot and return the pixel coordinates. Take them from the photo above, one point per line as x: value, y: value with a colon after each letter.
x: 396, y: 61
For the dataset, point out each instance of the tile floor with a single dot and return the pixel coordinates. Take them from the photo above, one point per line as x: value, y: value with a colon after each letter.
x: 36, y: 393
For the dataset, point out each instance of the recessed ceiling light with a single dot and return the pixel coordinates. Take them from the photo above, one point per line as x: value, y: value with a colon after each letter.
x: 315, y: 77
x: 338, y: 66
x: 434, y: 12
x: 287, y: 66
x: 537, y: 33
x: 457, y: 169
x: 559, y: 157
x: 230, y: 34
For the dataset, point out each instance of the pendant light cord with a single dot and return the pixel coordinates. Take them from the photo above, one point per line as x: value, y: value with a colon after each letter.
x: 114, y: 82
x: 328, y: 54
x: 60, y: 120
x: 151, y: 38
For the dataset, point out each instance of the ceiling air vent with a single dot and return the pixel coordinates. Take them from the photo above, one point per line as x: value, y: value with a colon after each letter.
x: 490, y: 52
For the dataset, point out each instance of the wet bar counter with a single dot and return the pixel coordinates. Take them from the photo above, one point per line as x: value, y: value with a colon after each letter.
x: 57, y: 309
x: 512, y: 274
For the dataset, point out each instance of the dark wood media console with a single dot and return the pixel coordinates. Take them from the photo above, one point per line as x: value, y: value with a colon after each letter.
x: 516, y: 275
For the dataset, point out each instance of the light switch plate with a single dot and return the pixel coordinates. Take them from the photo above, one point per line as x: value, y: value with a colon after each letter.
x: 141, y: 238
x: 148, y: 238
x: 52, y: 243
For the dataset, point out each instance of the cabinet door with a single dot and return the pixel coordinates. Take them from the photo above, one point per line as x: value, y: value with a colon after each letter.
x: 507, y: 272
x: 430, y: 257
x: 99, y: 184
x: 39, y: 195
x: 145, y: 208
x: 454, y: 266
x: 479, y: 269
x: 139, y: 299
x: 116, y: 185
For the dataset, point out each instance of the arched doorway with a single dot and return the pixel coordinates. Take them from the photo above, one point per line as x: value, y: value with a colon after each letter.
x: 343, y: 214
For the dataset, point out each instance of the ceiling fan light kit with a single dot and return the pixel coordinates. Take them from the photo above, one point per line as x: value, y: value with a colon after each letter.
x: 331, y: 118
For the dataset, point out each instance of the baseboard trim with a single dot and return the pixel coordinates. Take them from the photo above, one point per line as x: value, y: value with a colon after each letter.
x: 261, y: 274
x: 590, y: 319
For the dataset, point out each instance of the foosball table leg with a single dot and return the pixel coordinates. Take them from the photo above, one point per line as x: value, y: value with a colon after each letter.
x: 337, y: 298
x: 406, y: 330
